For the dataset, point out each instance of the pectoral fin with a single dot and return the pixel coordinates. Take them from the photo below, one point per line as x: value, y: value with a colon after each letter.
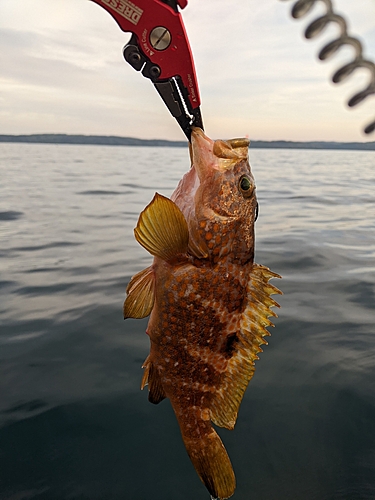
x: 141, y: 295
x: 162, y: 229
x: 197, y: 246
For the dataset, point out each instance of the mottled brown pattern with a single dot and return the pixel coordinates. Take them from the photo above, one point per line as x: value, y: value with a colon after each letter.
x: 210, y: 302
x: 189, y: 331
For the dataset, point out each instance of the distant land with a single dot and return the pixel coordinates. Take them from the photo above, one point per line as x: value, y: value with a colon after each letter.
x: 104, y: 140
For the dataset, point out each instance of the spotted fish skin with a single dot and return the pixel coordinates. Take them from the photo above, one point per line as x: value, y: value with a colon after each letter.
x: 209, y: 301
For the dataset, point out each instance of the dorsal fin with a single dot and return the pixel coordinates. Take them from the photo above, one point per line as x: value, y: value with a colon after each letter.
x: 141, y: 295
x: 246, y: 346
x: 162, y: 229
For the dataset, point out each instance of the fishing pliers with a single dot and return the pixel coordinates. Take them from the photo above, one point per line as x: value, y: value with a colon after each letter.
x: 159, y: 48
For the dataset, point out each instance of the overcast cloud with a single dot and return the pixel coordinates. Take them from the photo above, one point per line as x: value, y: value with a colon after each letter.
x: 62, y: 71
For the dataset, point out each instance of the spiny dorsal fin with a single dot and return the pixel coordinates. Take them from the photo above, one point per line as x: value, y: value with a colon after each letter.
x: 241, y: 367
x: 162, y: 229
x: 141, y: 295
x: 151, y: 377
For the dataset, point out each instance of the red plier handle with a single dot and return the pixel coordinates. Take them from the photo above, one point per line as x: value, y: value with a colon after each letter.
x: 159, y: 47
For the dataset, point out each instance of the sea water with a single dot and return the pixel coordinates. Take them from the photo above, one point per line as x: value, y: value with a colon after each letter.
x: 73, y: 422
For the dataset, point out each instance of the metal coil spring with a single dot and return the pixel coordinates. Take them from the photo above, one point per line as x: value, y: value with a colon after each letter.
x: 301, y: 8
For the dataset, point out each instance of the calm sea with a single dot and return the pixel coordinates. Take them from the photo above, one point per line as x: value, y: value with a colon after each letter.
x: 73, y: 422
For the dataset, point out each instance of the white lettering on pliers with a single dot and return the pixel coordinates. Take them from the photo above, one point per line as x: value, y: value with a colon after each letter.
x: 145, y: 46
x: 192, y: 88
x: 126, y: 9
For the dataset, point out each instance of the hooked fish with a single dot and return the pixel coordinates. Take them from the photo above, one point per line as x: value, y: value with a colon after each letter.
x: 209, y: 301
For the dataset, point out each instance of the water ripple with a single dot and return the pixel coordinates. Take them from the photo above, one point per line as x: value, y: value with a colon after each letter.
x: 72, y: 418
x: 10, y: 215
x: 55, y: 244
x: 100, y: 192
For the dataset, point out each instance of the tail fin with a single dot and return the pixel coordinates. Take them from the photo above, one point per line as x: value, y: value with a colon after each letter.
x: 210, y: 459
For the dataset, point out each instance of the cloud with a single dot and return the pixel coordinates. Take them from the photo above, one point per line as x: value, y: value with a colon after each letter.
x: 62, y: 71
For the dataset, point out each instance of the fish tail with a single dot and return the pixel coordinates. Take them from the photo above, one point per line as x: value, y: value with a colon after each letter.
x: 209, y: 457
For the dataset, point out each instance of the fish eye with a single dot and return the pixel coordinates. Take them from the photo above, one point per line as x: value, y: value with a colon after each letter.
x: 246, y: 186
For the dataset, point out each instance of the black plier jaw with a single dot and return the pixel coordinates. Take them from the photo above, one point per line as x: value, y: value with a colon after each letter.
x: 160, y: 49
x: 174, y: 94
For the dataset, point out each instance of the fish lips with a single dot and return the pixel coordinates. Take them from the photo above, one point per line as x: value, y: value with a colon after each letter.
x: 208, y: 155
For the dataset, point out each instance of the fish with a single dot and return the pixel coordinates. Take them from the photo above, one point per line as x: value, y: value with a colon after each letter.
x: 209, y: 303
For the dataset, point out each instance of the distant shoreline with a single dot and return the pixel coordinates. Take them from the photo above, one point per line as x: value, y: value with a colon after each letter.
x: 101, y: 140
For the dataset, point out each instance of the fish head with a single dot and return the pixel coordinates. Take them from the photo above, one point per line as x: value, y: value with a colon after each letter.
x: 218, y: 198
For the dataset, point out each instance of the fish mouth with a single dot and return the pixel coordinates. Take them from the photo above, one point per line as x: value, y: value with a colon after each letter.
x: 207, y: 158
x: 207, y: 154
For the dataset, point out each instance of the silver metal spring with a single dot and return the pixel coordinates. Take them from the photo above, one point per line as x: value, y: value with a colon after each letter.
x: 300, y: 9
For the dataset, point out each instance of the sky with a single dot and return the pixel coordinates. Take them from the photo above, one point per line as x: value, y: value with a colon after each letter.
x: 62, y: 71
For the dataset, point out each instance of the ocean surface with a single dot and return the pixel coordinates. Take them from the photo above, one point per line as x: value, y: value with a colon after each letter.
x: 73, y: 422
